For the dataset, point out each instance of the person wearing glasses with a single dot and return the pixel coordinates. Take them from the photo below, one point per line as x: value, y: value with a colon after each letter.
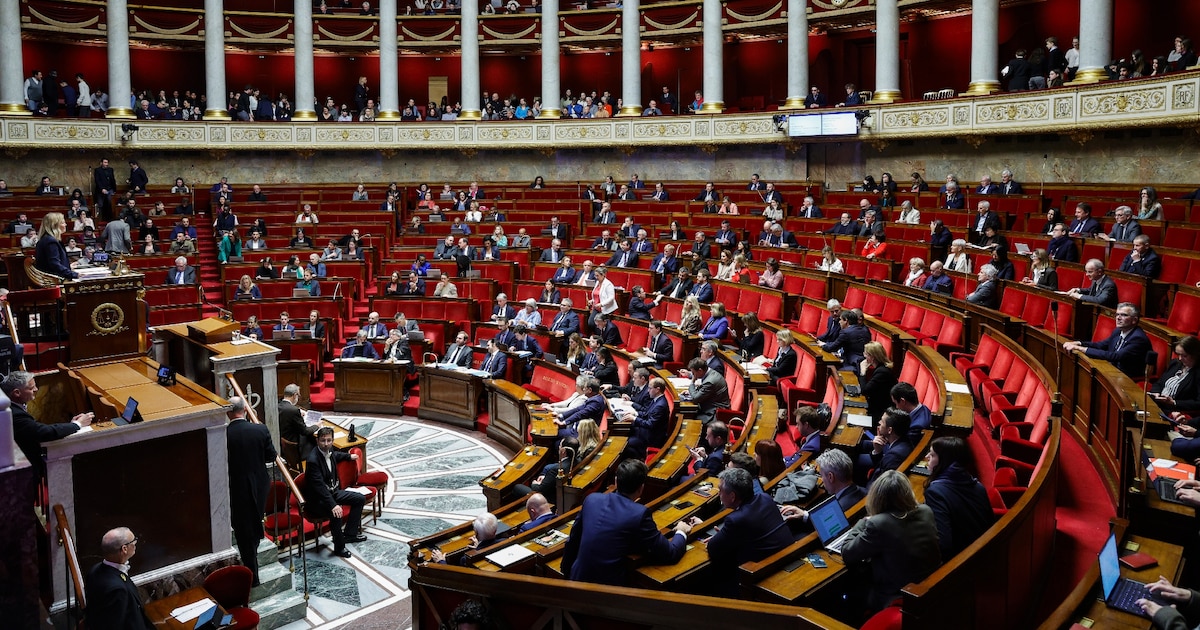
x: 113, y: 600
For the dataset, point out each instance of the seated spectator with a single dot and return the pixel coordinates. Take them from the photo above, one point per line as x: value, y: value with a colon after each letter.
x: 1142, y: 260
x: 252, y: 329
x: 877, y: 379
x: 987, y: 292
x: 938, y: 281
x: 961, y: 509
x: 360, y: 348
x: 247, y: 290
x: 1149, y: 208
x: 876, y: 245
x: 529, y: 314
x: 309, y: 283
x: 1125, y: 348
x: 1102, y: 291
x: 1125, y: 229
x: 1042, y: 275
x: 917, y: 274
x: 414, y: 287
x: 772, y: 277
x: 1178, y: 388
x: 331, y: 251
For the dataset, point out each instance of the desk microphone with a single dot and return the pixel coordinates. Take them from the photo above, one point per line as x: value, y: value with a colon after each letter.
x: 353, y: 437
x: 1056, y: 399
x: 1151, y: 363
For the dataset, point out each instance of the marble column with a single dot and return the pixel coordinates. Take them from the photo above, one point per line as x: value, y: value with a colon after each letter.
x: 1095, y: 40
x: 631, y: 59
x: 797, y: 54
x: 714, y: 61
x: 389, y: 74
x: 119, y: 84
x: 887, y: 51
x: 12, y: 74
x: 304, y: 105
x: 985, y: 47
x: 214, y: 60
x: 470, y: 62
x: 551, y: 86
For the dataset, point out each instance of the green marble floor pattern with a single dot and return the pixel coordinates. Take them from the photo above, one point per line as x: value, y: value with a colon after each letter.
x: 434, y: 474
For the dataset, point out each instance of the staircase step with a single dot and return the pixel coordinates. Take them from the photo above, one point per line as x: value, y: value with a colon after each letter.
x: 274, y: 578
x: 279, y: 610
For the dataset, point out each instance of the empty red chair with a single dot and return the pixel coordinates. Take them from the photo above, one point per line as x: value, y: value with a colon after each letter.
x: 230, y: 587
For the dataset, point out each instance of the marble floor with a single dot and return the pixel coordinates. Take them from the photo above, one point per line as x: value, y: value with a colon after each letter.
x: 434, y: 472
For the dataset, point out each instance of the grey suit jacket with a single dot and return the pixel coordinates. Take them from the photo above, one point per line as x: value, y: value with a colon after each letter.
x: 1102, y: 292
x: 189, y: 276
x: 709, y: 394
x: 116, y: 236
x: 900, y: 550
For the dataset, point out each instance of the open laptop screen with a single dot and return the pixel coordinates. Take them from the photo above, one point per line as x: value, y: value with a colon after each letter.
x: 829, y: 520
x: 1110, y: 565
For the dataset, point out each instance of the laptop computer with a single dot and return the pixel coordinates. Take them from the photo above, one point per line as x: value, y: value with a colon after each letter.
x: 1120, y: 593
x: 831, y: 524
x: 416, y: 335
x: 303, y: 333
x: 435, y: 218
x: 1164, y: 486
x: 282, y: 334
x: 300, y: 293
x: 433, y: 274
x: 130, y: 416
x: 208, y: 620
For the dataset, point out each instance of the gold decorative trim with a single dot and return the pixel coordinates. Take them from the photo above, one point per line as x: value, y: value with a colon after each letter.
x: 753, y: 18
x: 63, y: 25
x: 216, y: 114
x: 271, y: 35
x: 387, y: 114
x: 793, y: 102
x: 342, y: 38
x: 671, y: 27
x: 304, y: 115
x: 14, y: 109
x: 550, y: 114
x: 499, y: 35
x: 423, y: 38
x: 630, y: 111
x: 599, y: 31
x: 166, y: 31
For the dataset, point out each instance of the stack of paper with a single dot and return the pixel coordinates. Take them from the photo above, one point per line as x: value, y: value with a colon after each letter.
x: 184, y: 614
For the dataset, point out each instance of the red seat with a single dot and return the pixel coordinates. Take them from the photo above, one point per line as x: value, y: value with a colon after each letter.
x: 230, y: 587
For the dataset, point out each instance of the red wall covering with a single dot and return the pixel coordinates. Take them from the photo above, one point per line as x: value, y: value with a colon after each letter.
x: 935, y: 55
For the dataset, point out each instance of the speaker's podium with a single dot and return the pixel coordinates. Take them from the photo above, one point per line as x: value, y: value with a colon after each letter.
x: 105, y: 318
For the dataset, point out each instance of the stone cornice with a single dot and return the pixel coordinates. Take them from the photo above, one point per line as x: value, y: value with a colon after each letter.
x: 1079, y: 111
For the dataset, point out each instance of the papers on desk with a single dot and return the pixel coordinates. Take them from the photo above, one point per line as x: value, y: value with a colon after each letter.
x: 644, y: 360
x: 551, y: 538
x: 859, y: 420
x: 620, y: 407
x: 958, y: 388
x: 90, y: 273
x: 337, y: 435
x: 240, y: 341
x: 754, y: 368
x: 680, y: 384
x: 83, y: 430
x: 312, y: 418
x: 356, y: 359
x: 509, y: 555
x: 479, y: 373
x: 184, y: 614
x: 360, y: 490
x: 524, y: 354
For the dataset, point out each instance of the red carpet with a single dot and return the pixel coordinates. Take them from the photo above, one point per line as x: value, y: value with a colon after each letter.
x: 1083, y: 514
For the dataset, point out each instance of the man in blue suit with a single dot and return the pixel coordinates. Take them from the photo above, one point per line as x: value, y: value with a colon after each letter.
x: 851, y: 340
x: 592, y: 409
x: 566, y: 322
x: 905, y: 398
x: 1084, y: 224
x: 539, y: 511
x: 659, y: 346
x: 496, y: 363
x: 753, y: 531
x: 665, y: 264
x: 832, y: 323
x: 565, y: 274
x: 649, y: 425
x: 701, y: 288
x: 613, y: 525
x: 1125, y: 348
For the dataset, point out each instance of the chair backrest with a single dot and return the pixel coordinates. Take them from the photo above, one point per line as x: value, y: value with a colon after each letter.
x: 230, y: 586
x: 291, y: 453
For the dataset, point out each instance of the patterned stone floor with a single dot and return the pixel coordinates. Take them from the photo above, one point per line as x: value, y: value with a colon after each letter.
x: 434, y: 474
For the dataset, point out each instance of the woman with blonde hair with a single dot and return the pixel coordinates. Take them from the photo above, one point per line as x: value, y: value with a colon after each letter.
x: 689, y: 321
x: 916, y: 273
x: 741, y: 270
x: 576, y: 351
x: 727, y: 206
x: 589, y: 438
x: 899, y: 537
x: 829, y: 261
x: 50, y: 255
x: 247, y: 290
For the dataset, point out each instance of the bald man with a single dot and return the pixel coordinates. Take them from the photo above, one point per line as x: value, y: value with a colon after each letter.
x: 113, y: 600
x: 539, y: 512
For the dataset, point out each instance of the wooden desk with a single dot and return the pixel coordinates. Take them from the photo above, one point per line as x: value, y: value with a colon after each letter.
x: 523, y: 467
x: 159, y: 610
x: 508, y: 412
x: 138, y: 379
x: 1148, y: 514
x: 449, y: 396
x: 573, y: 490
x: 369, y: 386
x: 1170, y: 564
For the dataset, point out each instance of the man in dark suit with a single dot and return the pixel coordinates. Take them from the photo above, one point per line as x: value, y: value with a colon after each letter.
x: 566, y: 322
x: 837, y: 477
x: 637, y: 391
x: 554, y: 254
x: 1084, y: 224
x: 557, y: 230
x: 183, y: 273
x: 459, y: 353
x: 650, y: 425
x: 726, y: 238
x: 1017, y: 72
x: 679, y: 288
x: 708, y: 390
x: 702, y: 288
x: 1142, y: 260
x: 325, y: 497
x: 665, y: 264
x: 29, y: 434
x: 832, y: 323
x: 609, y: 334
x: 814, y: 100
x: 137, y: 178
x: 1103, y: 290
x: 660, y: 193
x: 770, y: 194
x: 503, y: 309
x: 360, y: 348
x: 250, y: 450
x: 112, y: 598
x: 709, y: 194
x: 756, y: 183
x: 539, y: 511
x: 890, y: 446
x: 845, y: 226
x: 1008, y: 186
x: 292, y: 426
x: 987, y: 292
x: 986, y: 187
x: 445, y: 250
x: 624, y: 257
x: 938, y: 281
x: 613, y: 525
x: 604, y: 242
x: 104, y: 187
x: 592, y: 409
x: 753, y: 531
x: 658, y: 345
x: 1125, y: 348
x: 851, y: 339
x: 701, y: 250
x: 606, y: 215
x: 985, y: 218
x: 710, y: 454
x: 496, y: 362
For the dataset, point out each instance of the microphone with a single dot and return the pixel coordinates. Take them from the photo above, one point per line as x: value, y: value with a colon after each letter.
x: 352, y: 437
x: 336, y: 288
x: 1056, y: 398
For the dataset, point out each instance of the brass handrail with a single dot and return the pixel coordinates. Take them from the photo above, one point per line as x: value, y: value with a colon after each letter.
x: 68, y: 543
